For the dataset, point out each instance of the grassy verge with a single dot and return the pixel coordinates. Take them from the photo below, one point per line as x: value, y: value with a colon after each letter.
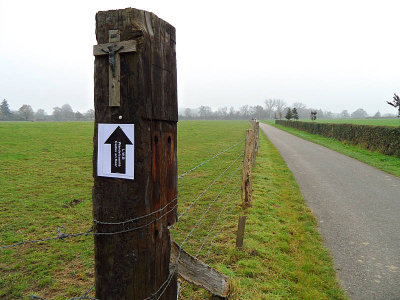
x: 283, y: 256
x: 45, y: 166
x: 380, y: 161
x: 372, y: 122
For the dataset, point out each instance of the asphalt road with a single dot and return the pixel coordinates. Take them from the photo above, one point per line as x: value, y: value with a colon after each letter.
x: 358, y: 212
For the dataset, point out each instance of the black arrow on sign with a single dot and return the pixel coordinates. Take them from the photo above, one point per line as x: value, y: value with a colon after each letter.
x: 118, y: 141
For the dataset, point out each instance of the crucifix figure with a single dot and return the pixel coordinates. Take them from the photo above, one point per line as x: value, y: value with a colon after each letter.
x: 113, y: 48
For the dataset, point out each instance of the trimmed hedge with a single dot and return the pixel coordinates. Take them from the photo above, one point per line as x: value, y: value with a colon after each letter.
x: 383, y: 139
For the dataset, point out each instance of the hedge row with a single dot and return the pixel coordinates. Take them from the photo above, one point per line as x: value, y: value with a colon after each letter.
x: 383, y: 139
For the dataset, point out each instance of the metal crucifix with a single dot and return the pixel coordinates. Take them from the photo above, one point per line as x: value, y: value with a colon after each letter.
x: 113, y: 48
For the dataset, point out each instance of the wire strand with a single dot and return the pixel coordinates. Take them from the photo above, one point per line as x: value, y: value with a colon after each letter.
x: 215, y: 156
x: 208, y: 187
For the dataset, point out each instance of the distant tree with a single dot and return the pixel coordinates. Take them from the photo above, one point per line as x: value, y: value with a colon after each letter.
x: 270, y: 104
x: 223, y: 112
x: 302, y: 110
x: 40, y: 115
x: 359, y: 114
x: 344, y: 114
x: 289, y: 114
x: 295, y: 114
x: 377, y: 115
x: 89, y: 115
x: 26, y: 112
x: 5, y: 112
x: 259, y: 112
x: 67, y: 114
x: 328, y: 115
x: 188, y: 113
x: 313, y: 115
x: 245, y: 111
x: 57, y: 114
x: 78, y: 116
x: 396, y: 104
x: 280, y: 106
x: 299, y: 105
x: 205, y: 112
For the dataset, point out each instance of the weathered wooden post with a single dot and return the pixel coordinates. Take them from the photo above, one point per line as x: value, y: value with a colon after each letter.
x: 240, y: 232
x: 246, y: 172
x: 134, y: 158
x: 256, y: 130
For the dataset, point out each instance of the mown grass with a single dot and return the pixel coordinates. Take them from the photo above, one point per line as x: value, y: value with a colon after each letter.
x: 45, y: 166
x: 372, y: 122
x: 386, y: 163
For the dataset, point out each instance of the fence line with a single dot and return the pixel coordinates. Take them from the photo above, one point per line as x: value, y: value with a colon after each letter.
x: 215, y: 221
x: 209, y: 186
x: 62, y: 235
x: 218, y: 154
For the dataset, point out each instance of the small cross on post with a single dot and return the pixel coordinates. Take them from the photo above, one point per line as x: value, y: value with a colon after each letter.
x: 113, y: 49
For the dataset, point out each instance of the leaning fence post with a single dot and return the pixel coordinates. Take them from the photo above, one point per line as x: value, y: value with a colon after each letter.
x: 134, y: 158
x: 256, y: 141
x: 246, y: 172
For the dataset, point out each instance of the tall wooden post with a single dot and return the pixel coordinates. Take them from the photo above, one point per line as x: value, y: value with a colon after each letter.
x: 246, y: 172
x: 256, y: 130
x: 134, y: 158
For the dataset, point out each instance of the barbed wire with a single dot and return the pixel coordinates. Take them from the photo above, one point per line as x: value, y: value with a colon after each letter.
x: 209, y: 207
x: 208, y: 187
x: 135, y: 219
x: 61, y: 235
x: 215, y: 221
x: 215, y: 236
x: 166, y: 283
x: 215, y: 156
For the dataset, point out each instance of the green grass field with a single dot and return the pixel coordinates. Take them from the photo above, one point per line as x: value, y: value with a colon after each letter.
x: 44, y: 167
x: 372, y: 122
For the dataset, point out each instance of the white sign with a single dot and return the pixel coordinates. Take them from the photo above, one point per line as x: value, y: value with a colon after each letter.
x: 115, y: 150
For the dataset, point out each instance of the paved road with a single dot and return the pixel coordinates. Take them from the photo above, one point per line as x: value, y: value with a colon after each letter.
x: 358, y: 212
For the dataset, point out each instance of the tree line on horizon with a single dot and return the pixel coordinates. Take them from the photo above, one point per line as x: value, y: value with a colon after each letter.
x: 26, y: 113
x: 273, y: 109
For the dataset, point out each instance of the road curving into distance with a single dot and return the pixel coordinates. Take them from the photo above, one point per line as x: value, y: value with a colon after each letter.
x: 358, y: 213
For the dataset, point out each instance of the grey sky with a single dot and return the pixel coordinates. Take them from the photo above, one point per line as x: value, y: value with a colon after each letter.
x: 332, y: 55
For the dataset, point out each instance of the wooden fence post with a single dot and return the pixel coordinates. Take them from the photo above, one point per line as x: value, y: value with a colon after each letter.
x: 256, y: 141
x: 246, y: 172
x: 240, y: 232
x: 134, y: 158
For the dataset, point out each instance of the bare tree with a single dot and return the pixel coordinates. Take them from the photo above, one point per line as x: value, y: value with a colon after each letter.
x: 395, y: 103
x: 280, y: 106
x: 270, y: 104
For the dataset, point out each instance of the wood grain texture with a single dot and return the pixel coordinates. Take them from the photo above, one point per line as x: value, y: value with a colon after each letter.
x: 133, y: 265
x: 246, y: 171
x: 240, y: 232
x: 256, y: 129
x: 198, y: 273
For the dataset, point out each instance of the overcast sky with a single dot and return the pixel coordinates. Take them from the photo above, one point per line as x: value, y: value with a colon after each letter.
x: 332, y: 55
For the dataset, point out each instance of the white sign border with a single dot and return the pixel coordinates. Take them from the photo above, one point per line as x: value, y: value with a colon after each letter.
x: 104, y: 130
